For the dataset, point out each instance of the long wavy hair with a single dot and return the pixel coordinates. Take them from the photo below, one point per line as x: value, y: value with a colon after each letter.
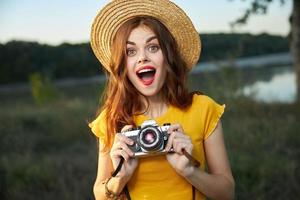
x: 121, y: 99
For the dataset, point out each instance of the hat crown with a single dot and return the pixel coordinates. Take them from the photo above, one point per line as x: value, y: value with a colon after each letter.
x: 117, y: 12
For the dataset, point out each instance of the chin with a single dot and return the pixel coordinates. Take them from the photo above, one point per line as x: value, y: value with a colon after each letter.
x: 150, y: 93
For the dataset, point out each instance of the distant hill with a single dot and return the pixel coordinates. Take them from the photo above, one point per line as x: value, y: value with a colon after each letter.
x: 19, y: 59
x: 223, y: 46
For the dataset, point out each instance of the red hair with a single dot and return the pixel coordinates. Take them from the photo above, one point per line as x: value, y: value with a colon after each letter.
x: 121, y: 99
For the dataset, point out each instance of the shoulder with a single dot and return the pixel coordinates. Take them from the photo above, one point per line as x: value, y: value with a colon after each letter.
x: 98, y: 125
x: 208, y: 111
x: 204, y: 102
x: 206, y: 108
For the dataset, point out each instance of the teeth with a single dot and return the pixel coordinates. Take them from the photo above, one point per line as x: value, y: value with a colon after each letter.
x: 146, y: 70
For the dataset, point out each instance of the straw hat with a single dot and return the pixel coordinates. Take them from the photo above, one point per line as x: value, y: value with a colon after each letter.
x: 115, y: 13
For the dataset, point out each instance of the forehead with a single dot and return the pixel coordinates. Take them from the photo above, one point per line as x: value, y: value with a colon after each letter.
x: 140, y: 33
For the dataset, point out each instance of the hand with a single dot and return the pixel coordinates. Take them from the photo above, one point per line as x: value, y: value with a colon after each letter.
x: 120, y: 149
x: 179, y: 141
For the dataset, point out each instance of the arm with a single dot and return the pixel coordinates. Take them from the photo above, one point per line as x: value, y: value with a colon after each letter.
x: 103, y: 172
x: 105, y: 169
x: 219, y: 182
x: 107, y: 163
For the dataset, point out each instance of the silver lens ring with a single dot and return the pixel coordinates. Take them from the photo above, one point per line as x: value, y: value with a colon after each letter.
x: 152, y: 145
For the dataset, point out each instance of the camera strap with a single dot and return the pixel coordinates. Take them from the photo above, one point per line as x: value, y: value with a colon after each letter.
x: 125, y: 189
x: 194, y: 161
x: 194, y: 192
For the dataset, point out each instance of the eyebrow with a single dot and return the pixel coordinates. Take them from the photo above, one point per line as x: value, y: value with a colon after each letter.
x: 148, y: 40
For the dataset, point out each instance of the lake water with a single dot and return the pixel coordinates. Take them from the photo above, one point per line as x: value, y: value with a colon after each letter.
x: 281, y: 87
x: 263, y: 84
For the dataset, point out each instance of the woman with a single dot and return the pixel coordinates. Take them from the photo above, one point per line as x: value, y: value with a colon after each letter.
x: 147, y: 48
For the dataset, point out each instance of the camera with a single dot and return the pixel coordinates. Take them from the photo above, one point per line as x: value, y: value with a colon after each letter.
x: 149, y: 138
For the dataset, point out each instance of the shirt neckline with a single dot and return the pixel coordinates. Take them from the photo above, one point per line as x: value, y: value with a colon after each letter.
x: 157, y: 119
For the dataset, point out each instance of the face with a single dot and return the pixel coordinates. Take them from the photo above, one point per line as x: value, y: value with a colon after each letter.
x: 145, y: 62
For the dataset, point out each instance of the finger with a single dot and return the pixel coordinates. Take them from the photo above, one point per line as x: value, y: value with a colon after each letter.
x: 121, y: 145
x: 174, y: 134
x: 125, y: 155
x: 120, y: 153
x: 127, y: 149
x: 180, y: 138
x: 123, y: 138
x: 181, y: 135
x: 179, y: 146
x: 117, y: 145
x: 126, y: 127
x: 175, y: 127
x: 170, y: 142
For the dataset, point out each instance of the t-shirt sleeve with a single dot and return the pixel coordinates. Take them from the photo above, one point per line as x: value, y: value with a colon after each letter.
x: 211, y: 113
x: 98, y: 126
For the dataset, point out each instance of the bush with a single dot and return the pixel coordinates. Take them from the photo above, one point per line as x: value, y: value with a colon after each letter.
x: 42, y: 89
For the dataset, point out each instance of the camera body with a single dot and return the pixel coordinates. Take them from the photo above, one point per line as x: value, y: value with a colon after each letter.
x: 149, y: 139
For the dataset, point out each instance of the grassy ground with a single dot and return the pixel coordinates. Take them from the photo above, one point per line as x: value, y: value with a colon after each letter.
x: 48, y: 152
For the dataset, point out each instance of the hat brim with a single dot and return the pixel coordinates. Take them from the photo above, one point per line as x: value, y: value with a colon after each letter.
x: 117, y: 12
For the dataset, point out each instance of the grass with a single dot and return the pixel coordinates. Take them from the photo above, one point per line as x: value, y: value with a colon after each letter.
x: 48, y: 151
x: 263, y: 148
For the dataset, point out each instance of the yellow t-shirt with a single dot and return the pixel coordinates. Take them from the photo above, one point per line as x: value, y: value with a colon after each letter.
x: 154, y: 177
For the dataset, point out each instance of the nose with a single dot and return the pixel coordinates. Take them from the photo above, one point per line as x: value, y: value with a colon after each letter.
x: 142, y: 58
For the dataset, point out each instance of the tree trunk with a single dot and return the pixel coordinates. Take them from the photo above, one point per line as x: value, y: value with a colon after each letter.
x: 295, y: 44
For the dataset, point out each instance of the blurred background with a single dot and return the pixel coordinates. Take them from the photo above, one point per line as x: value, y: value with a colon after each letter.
x: 51, y: 83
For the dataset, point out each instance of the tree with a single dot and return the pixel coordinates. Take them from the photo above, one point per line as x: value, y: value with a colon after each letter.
x: 261, y: 7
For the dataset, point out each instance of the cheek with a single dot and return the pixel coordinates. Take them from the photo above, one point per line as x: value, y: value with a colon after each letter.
x: 130, y: 70
x: 130, y: 62
x: 162, y: 64
x: 160, y: 60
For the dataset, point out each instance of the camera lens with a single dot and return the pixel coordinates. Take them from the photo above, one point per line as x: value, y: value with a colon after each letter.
x: 150, y: 138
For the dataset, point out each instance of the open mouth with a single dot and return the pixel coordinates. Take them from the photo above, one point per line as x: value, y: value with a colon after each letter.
x: 146, y: 75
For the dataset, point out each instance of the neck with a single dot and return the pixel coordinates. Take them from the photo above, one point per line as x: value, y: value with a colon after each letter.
x: 157, y: 106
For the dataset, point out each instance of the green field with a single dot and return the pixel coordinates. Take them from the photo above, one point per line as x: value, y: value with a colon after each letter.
x: 48, y: 152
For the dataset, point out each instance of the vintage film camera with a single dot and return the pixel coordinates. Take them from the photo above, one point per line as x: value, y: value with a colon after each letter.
x: 149, y: 139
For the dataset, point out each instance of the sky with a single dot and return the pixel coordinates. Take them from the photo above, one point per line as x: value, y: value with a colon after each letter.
x: 57, y: 21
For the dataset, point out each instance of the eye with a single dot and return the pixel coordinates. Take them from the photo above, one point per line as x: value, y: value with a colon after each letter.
x: 130, y: 52
x: 153, y: 48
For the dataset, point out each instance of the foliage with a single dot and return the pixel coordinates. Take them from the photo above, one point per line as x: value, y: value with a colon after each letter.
x: 20, y: 59
x: 256, y: 7
x: 231, y: 46
x: 42, y: 89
